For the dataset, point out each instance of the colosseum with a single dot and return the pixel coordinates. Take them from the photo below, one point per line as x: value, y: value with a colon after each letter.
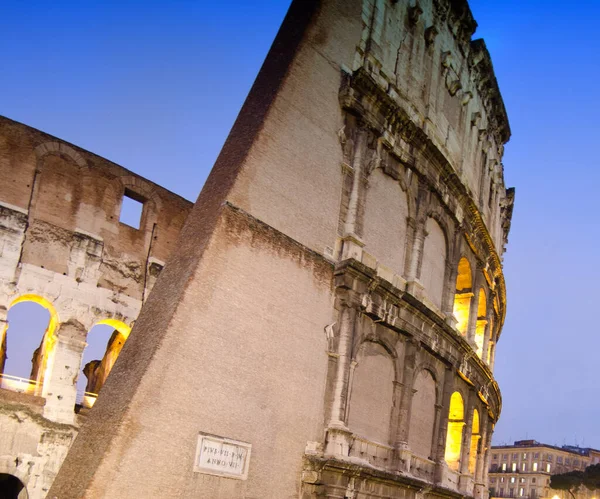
x: 64, y: 247
x: 326, y: 324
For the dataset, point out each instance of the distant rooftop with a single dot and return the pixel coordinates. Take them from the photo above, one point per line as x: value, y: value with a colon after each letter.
x: 574, y: 449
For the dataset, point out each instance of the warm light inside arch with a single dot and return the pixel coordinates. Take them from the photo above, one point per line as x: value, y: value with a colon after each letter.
x: 456, y: 422
x: 49, y: 340
x: 463, y: 294
x: 97, y: 376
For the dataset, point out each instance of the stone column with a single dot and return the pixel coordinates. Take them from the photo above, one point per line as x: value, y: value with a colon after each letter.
x: 352, y: 243
x: 407, y: 392
x: 417, y: 243
x: 440, y: 450
x: 473, y: 310
x: 480, y: 485
x: 465, y: 451
x: 488, y: 328
x: 492, y: 354
x: 466, y: 479
x: 60, y: 388
x: 338, y: 435
x: 451, y: 275
x: 436, y: 426
x: 486, y: 461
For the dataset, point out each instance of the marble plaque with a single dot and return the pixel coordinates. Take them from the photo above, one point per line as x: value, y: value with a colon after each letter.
x: 222, y: 456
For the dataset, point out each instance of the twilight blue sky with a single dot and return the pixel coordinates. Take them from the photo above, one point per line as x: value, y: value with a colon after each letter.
x: 155, y: 86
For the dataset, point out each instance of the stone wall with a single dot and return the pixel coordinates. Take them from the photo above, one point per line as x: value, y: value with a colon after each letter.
x: 63, y: 246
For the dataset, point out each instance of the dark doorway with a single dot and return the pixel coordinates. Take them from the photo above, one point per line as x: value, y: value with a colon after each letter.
x: 10, y: 486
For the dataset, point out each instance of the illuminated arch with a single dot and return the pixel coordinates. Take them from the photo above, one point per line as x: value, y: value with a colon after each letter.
x: 462, y: 298
x: 456, y: 423
x: 121, y: 327
x: 98, y: 370
x: 475, y: 436
x: 44, y: 356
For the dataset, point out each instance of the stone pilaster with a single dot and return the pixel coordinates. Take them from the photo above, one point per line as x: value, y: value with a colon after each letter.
x: 473, y: 310
x: 60, y: 389
x: 337, y: 417
x: 480, y: 484
x: 440, y: 450
x: 404, y: 412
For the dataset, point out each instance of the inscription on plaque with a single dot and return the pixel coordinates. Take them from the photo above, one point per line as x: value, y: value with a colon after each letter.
x: 222, y: 456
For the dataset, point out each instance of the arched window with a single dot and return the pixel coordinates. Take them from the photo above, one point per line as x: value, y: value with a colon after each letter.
x: 422, y: 415
x: 456, y: 422
x: 386, y: 213
x: 462, y: 298
x: 475, y: 436
x: 372, y: 394
x: 105, y: 341
x: 433, y: 266
x: 481, y: 323
x: 28, y: 344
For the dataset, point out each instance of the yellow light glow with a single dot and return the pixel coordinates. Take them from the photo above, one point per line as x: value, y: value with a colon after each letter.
x: 462, y: 307
x: 89, y: 399
x: 123, y: 328
x: 479, y: 337
x: 462, y: 298
x: 455, y: 431
x: 49, y: 341
x: 15, y: 384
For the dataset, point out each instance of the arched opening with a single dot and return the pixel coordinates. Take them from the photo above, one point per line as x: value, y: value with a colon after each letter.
x: 105, y: 342
x: 481, y: 323
x: 462, y: 297
x: 433, y: 264
x: 422, y: 415
x: 372, y: 394
x: 456, y: 422
x: 475, y: 436
x: 28, y: 344
x: 11, y: 487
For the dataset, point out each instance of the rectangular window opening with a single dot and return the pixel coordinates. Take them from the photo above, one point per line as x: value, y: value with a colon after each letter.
x: 131, y: 209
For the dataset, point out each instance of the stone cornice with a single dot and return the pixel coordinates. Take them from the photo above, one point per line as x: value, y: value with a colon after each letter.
x: 356, y: 470
x: 480, y: 63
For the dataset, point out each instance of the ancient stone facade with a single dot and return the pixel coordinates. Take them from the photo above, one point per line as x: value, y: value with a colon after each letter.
x: 327, y: 324
x: 62, y: 246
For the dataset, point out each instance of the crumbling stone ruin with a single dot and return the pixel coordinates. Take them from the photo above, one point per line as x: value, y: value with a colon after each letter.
x: 327, y: 324
x: 63, y: 246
